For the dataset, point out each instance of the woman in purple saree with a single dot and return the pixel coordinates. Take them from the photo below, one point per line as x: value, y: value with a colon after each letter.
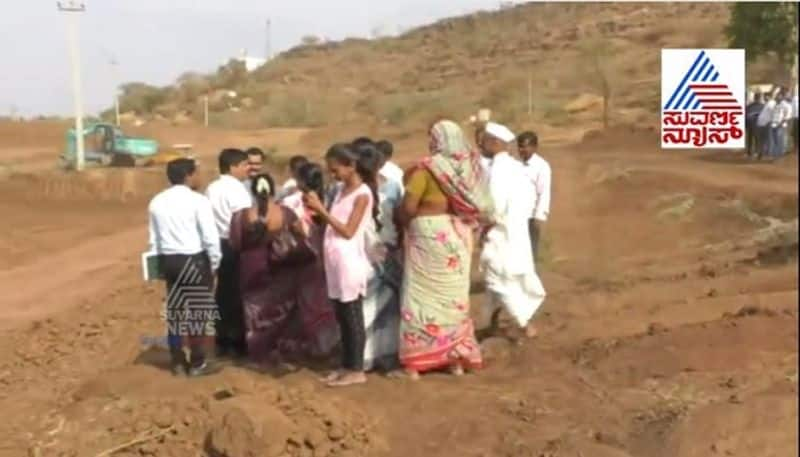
x: 287, y: 314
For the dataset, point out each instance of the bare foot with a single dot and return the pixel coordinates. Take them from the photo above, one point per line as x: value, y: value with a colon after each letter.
x: 457, y: 370
x: 531, y: 331
x: 348, y: 379
x: 332, y: 376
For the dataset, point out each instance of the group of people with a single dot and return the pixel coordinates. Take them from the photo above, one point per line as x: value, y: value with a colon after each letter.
x: 359, y: 254
x: 771, y: 124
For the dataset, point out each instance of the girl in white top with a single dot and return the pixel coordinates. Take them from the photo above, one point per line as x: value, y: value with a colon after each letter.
x: 347, y: 266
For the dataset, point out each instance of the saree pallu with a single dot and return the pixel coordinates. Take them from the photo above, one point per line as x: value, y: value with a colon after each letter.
x: 436, y: 330
x: 382, y: 315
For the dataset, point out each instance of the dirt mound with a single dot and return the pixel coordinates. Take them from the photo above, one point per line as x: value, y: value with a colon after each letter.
x: 298, y: 424
x: 240, y: 418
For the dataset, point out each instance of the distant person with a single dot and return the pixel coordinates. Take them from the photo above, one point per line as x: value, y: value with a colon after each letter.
x: 347, y: 265
x: 389, y: 170
x: 185, y: 237
x: 446, y: 196
x: 763, y: 125
x: 382, y: 299
x: 752, y: 112
x: 781, y: 120
x: 538, y: 171
x: 362, y: 141
x: 290, y: 186
x: 794, y: 121
x: 229, y: 195
x: 506, y: 258
x: 255, y: 165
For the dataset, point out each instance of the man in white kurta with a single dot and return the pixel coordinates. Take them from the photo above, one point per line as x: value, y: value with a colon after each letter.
x: 506, y: 259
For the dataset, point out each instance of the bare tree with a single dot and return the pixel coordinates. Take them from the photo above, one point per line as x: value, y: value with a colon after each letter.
x: 598, y: 56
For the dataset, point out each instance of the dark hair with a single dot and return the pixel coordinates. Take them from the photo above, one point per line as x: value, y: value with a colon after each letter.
x: 229, y: 158
x: 180, y: 169
x: 362, y: 141
x: 295, y: 162
x: 528, y: 137
x: 262, y: 198
x: 311, y: 177
x: 255, y: 152
x: 367, y: 166
x: 365, y: 159
x: 386, y: 148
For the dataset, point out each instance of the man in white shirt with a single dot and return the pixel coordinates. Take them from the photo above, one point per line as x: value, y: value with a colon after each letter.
x: 183, y: 234
x: 389, y: 169
x: 794, y: 120
x: 290, y: 186
x: 255, y: 166
x: 781, y: 116
x: 763, y: 126
x: 229, y: 195
x: 506, y: 259
x: 538, y: 171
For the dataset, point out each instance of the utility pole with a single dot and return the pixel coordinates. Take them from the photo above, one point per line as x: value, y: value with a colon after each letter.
x: 269, y: 40
x: 73, y: 8
x: 113, y: 62
x: 530, y: 96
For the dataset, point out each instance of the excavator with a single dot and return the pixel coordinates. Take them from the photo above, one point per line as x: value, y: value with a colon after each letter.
x: 106, y: 145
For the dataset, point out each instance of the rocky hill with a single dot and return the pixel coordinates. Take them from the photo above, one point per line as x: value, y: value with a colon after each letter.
x: 566, y: 55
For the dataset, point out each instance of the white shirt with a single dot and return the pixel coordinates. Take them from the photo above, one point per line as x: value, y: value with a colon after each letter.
x: 538, y: 171
x: 766, y: 114
x: 391, y: 171
x: 507, y: 248
x: 227, y: 195
x: 286, y: 189
x: 781, y: 113
x: 182, y: 222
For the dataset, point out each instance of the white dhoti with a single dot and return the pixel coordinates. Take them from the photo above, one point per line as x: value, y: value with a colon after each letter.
x: 506, y: 259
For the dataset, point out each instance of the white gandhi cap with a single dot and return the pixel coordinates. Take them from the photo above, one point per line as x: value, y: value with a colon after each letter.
x: 501, y: 132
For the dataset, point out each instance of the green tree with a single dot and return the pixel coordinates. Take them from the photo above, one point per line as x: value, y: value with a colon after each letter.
x: 766, y: 28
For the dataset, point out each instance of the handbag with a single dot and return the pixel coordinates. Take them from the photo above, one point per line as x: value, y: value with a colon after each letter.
x: 287, y: 248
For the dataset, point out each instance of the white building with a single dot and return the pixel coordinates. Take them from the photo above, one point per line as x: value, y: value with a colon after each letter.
x: 250, y: 62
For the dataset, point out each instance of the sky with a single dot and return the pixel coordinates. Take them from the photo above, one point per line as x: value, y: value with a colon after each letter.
x: 155, y: 41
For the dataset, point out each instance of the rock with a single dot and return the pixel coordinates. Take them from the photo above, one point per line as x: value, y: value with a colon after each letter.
x: 324, y: 450
x: 163, y: 418
x: 336, y: 433
x: 314, y: 438
x: 148, y: 449
x: 246, y: 426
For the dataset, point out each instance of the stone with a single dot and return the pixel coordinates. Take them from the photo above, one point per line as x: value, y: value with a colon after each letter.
x: 246, y: 426
x: 336, y: 433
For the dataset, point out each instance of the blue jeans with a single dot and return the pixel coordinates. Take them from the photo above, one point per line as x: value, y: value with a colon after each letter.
x: 777, y: 141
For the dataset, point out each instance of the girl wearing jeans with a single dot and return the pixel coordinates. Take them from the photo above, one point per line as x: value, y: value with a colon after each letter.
x: 347, y: 267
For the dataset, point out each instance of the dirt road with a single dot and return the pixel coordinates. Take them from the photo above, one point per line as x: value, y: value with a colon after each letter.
x: 670, y: 329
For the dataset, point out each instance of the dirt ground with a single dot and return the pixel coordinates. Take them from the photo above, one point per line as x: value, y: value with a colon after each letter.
x: 670, y: 327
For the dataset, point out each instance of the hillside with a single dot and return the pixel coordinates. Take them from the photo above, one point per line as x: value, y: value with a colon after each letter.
x: 566, y: 49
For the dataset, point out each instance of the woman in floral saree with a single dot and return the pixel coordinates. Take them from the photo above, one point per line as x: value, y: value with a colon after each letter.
x: 446, y: 194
